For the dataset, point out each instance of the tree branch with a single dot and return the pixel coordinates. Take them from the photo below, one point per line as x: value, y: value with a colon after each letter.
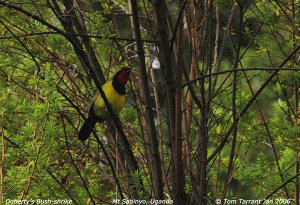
x: 145, y: 95
x: 240, y: 70
x: 244, y: 110
x: 279, y: 187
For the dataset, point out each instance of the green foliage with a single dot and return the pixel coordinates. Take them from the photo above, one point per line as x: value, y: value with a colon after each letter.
x: 39, y: 105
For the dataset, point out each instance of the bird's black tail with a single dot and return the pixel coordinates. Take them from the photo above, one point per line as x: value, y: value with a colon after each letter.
x: 87, y: 128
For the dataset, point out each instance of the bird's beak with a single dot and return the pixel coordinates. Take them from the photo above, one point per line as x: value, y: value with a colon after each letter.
x: 129, y: 69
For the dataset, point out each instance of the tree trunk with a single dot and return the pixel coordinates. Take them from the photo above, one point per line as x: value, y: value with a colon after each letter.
x: 148, y: 112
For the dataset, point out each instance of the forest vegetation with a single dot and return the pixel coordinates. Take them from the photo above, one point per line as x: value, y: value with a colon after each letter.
x: 212, y: 106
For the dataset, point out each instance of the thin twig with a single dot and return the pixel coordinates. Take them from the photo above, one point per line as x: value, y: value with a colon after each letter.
x: 26, y: 48
x: 2, y: 165
x: 234, y: 109
x: 98, y: 141
x: 62, y: 186
x: 279, y: 187
x: 268, y: 134
x: 73, y: 162
x: 176, y: 25
x: 240, y: 70
x: 25, y: 192
x: 77, y: 34
x: 246, y: 107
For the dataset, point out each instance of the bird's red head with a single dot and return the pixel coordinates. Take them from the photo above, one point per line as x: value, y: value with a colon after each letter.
x: 122, y: 76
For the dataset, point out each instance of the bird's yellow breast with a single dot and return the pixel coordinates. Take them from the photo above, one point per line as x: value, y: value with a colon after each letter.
x: 116, y: 101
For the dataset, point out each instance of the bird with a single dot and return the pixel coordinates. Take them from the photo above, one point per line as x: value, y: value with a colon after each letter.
x: 114, y: 90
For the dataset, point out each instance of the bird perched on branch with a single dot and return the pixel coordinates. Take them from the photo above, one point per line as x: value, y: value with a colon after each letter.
x: 114, y: 90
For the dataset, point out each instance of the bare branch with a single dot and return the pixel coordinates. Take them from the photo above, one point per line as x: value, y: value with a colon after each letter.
x: 245, y: 109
